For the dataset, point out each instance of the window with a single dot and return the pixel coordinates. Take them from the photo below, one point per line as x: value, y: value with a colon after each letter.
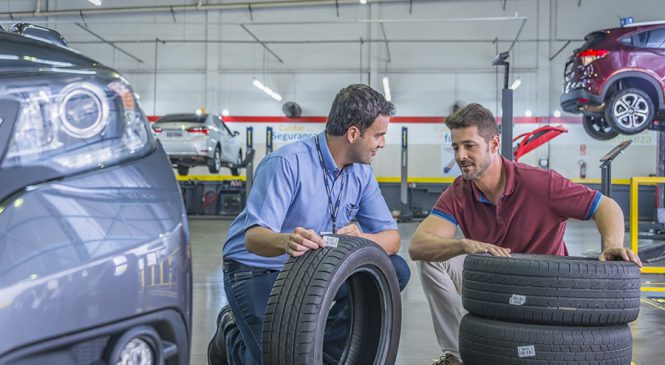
x: 221, y: 124
x: 592, y: 39
x: 650, y: 39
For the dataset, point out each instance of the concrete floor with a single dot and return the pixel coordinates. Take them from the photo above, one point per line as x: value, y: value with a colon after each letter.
x: 418, y: 343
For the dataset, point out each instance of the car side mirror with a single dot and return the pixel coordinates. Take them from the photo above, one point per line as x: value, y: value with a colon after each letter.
x: 236, y: 133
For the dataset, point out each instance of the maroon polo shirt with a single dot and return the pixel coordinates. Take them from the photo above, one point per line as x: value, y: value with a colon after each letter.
x: 531, y: 214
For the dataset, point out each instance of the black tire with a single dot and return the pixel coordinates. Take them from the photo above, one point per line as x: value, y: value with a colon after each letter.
x: 183, y: 170
x: 215, y: 163
x: 147, y: 337
x: 551, y: 289
x: 303, y: 294
x: 489, y: 342
x: 235, y: 171
x: 598, y: 128
x: 629, y: 111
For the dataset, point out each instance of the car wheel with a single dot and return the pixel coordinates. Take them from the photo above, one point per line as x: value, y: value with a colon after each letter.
x: 488, y: 342
x: 215, y: 164
x: 547, y: 289
x: 629, y: 111
x: 303, y: 295
x: 183, y: 170
x: 139, y: 345
x: 235, y: 171
x: 598, y: 128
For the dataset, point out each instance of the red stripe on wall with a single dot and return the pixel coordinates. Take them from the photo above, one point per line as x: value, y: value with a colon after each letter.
x: 398, y: 119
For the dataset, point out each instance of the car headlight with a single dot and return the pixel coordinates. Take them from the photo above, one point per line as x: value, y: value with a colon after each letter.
x: 83, y: 109
x: 76, y: 125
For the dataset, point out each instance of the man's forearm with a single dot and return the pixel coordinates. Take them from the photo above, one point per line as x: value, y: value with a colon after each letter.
x: 609, y: 220
x: 389, y: 240
x: 428, y: 247
x: 264, y: 242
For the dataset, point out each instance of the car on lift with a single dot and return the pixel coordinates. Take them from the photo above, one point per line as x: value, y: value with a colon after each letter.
x: 616, y: 80
x: 199, y: 139
x: 95, y: 259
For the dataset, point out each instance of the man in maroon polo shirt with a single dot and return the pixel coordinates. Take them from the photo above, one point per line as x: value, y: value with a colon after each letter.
x: 501, y: 207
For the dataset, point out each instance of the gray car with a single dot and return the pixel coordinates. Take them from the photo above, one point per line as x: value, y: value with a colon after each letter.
x: 199, y: 139
x: 95, y: 260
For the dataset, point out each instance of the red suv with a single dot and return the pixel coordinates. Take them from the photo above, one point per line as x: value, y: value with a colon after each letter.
x: 616, y: 80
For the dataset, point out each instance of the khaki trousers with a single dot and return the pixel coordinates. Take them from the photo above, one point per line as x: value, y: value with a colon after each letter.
x: 442, y: 283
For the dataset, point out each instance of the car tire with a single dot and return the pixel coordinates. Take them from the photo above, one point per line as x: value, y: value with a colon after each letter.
x: 629, y: 111
x: 141, y: 342
x: 215, y: 163
x: 235, y: 171
x: 489, y: 342
x: 303, y: 294
x: 598, y: 128
x: 551, y: 289
x: 183, y: 170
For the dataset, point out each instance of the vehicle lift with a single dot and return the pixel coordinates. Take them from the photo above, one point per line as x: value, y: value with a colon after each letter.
x: 213, y: 195
x: 656, y: 231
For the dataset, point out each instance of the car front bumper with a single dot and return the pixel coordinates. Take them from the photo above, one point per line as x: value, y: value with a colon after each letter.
x: 89, y: 250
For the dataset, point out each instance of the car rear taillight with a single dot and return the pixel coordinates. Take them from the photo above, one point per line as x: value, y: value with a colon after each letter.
x: 201, y: 130
x: 590, y: 55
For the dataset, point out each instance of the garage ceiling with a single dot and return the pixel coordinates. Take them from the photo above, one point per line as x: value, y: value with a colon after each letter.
x: 180, y: 54
x: 287, y: 36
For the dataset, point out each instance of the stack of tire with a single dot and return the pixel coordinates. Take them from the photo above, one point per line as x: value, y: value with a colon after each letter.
x: 538, y: 309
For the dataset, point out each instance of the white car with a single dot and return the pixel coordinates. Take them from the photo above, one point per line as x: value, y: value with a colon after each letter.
x: 199, y: 139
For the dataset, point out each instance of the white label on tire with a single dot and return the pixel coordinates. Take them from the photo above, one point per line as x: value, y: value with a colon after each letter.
x: 517, y: 299
x: 526, y: 351
x: 330, y: 241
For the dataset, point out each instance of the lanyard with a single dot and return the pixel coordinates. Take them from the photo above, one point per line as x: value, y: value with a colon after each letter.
x: 333, y: 210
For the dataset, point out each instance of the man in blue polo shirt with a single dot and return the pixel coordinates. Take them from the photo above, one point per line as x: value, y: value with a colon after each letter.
x: 501, y: 207
x: 300, y: 191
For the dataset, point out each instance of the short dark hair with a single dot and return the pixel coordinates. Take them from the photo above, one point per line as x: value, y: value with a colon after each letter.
x: 474, y: 115
x: 356, y: 105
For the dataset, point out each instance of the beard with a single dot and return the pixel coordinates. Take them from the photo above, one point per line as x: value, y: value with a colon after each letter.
x: 476, y: 171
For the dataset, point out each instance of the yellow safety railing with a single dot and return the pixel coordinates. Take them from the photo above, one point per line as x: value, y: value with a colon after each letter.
x: 209, y: 178
x: 635, y: 182
x: 387, y: 179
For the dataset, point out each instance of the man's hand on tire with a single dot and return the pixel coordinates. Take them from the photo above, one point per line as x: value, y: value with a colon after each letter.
x: 302, y: 240
x: 350, y: 230
x: 618, y: 254
x: 471, y: 246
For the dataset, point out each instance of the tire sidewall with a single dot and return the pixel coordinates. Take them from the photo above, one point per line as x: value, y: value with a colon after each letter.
x: 216, y: 161
x: 587, y: 120
x: 365, y: 260
x: 609, y: 111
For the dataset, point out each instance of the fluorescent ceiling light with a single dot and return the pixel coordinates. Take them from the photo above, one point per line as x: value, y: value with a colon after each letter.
x: 96, y: 2
x: 386, y: 88
x: 516, y: 84
x: 259, y: 85
x: 557, y: 113
x: 363, y: 2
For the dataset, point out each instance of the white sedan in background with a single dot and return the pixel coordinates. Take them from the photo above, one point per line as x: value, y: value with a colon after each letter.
x: 199, y: 139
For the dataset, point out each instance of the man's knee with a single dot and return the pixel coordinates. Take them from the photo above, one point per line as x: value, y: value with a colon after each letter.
x: 431, y: 270
x: 443, y: 275
x: 402, y: 270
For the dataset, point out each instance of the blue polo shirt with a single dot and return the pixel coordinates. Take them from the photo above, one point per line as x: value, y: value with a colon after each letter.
x: 289, y: 192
